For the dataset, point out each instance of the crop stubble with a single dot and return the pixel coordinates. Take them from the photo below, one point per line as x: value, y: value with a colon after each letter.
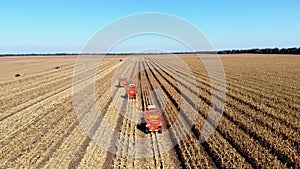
x: 259, y: 128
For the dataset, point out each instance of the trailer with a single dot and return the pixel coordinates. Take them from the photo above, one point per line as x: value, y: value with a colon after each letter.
x: 122, y: 81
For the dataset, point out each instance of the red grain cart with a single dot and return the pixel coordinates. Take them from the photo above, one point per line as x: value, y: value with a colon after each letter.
x: 152, y: 119
x: 131, y: 91
x: 122, y: 81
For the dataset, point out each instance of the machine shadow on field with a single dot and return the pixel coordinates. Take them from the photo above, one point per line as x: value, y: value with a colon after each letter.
x: 124, y: 96
x: 141, y: 127
x: 118, y: 86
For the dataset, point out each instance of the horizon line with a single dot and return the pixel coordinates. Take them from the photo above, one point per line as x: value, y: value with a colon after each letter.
x: 141, y: 53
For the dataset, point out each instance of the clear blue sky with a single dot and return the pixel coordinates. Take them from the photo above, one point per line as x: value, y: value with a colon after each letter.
x: 47, y: 26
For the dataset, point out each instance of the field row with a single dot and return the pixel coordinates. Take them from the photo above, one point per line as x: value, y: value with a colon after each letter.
x: 51, y: 120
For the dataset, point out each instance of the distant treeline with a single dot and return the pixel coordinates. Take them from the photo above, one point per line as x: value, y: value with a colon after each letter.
x: 263, y: 51
x: 294, y: 50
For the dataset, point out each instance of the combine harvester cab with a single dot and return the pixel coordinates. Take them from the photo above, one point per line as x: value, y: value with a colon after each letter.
x: 152, y: 119
x: 131, y: 91
x: 122, y: 81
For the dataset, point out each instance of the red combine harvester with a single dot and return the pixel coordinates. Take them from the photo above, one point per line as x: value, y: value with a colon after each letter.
x: 122, y: 81
x: 131, y: 91
x: 152, y: 119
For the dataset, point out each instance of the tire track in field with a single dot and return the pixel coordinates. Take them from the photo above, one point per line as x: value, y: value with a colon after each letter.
x: 83, y: 148
x: 148, y: 100
x: 278, y: 156
x: 206, y: 145
x: 11, y: 135
x: 46, y: 99
x: 288, y: 128
x: 127, y: 147
x: 294, y: 139
x: 36, y: 141
x: 271, y: 84
x: 236, y: 81
x: 48, y: 128
x: 28, y: 100
x: 30, y: 79
x: 254, y: 80
x: 184, y: 147
x: 256, y: 88
x: 88, y: 104
x: 67, y: 146
x: 32, y: 93
x: 21, y: 107
x: 287, y: 124
x: 55, y: 146
x: 121, y: 144
x: 205, y: 78
x: 30, y: 82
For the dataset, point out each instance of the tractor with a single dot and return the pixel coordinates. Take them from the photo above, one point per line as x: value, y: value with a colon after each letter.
x: 131, y: 91
x: 152, y: 119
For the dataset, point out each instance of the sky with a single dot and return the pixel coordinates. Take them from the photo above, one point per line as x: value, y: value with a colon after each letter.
x: 55, y: 26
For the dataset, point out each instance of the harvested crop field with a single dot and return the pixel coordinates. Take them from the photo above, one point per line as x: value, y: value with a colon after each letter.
x: 40, y: 127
